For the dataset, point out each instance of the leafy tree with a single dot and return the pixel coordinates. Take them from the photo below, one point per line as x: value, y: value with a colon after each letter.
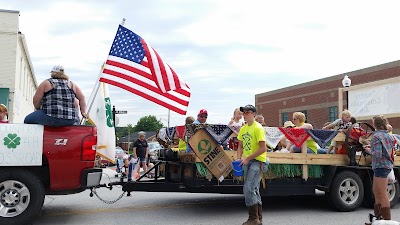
x: 121, y: 131
x: 148, y: 123
x: 129, y: 128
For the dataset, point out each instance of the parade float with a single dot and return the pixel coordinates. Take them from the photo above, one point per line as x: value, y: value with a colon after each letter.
x: 208, y: 167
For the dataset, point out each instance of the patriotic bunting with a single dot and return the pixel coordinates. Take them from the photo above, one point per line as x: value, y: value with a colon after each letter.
x: 219, y: 132
x: 322, y: 137
x: 171, y: 132
x: 273, y: 136
x: 180, y: 131
x: 296, y: 135
x: 162, y: 134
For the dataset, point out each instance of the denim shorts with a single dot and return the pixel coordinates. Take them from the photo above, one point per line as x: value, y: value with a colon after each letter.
x: 142, y: 159
x: 381, y: 172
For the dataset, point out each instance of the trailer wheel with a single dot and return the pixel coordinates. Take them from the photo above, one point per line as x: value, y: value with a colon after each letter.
x: 347, y: 191
x: 21, y: 196
x: 393, y: 191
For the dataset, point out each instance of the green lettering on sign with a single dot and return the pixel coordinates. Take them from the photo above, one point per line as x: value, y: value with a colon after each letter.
x: 110, y: 121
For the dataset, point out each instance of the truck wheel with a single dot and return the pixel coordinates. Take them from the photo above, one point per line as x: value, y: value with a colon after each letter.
x: 347, y: 191
x: 21, y: 196
x: 393, y: 191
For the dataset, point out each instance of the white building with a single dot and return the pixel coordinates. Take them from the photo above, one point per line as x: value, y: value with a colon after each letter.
x: 17, y: 78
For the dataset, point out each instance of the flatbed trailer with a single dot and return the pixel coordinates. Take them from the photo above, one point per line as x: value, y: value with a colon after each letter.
x: 346, y: 187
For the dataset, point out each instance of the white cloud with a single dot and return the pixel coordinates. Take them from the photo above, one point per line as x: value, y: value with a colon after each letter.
x: 226, y: 53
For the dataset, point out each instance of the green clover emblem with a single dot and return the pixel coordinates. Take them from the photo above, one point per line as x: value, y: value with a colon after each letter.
x: 204, y: 147
x: 12, y: 141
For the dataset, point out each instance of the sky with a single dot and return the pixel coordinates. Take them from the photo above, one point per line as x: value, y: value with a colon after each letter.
x: 226, y: 51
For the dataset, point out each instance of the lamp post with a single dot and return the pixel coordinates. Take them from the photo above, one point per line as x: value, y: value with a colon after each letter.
x: 346, y: 82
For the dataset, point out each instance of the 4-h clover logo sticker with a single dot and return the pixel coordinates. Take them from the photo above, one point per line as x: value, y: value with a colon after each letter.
x: 12, y: 141
x: 204, y: 147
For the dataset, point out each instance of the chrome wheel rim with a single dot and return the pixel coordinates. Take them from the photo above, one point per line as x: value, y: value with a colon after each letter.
x: 14, y: 198
x: 349, y: 191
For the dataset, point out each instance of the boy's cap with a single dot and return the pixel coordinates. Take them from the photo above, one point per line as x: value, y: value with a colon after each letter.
x: 248, y: 108
x: 203, y: 111
x: 288, y: 124
x: 57, y: 68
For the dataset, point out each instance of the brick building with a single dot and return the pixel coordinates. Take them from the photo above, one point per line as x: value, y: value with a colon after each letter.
x: 322, y: 100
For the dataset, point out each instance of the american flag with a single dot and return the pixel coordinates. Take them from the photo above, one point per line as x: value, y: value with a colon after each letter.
x: 135, y: 66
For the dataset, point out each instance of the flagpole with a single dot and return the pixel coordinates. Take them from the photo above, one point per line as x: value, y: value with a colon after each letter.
x: 169, y: 111
x: 96, y: 87
x: 93, y: 95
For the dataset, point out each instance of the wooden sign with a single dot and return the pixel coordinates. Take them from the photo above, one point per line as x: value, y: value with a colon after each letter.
x: 211, y: 154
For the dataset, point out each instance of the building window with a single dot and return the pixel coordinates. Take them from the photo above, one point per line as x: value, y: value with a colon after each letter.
x: 284, y: 117
x: 333, y: 113
x: 305, y: 114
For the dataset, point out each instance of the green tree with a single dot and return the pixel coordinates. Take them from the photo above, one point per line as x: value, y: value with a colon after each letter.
x: 148, y: 123
x: 130, y: 129
x: 121, y: 131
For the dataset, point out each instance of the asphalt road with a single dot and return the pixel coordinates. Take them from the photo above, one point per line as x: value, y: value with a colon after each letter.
x: 146, y: 208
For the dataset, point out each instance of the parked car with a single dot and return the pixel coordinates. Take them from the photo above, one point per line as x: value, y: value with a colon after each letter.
x: 154, y: 148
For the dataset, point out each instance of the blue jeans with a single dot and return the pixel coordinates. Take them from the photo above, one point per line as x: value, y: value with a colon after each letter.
x: 324, y: 151
x: 298, y: 150
x: 251, y: 187
x: 39, y: 117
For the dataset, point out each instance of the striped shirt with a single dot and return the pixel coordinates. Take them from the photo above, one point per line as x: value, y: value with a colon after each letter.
x: 59, y: 101
x: 381, y: 150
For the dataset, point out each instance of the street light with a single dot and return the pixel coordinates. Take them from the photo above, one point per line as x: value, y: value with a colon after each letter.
x: 346, y: 83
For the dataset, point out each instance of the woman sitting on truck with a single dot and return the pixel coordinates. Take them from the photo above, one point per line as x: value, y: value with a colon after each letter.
x: 54, y: 101
x: 299, y: 121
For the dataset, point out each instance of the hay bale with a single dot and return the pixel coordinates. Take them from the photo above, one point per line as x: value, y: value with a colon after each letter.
x: 187, y: 172
x: 187, y: 157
